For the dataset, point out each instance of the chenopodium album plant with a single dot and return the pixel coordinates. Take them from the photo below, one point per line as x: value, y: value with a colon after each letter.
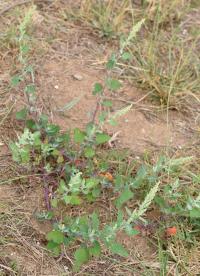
x: 66, y: 164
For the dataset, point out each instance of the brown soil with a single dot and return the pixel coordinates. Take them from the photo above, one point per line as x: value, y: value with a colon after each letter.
x: 138, y: 130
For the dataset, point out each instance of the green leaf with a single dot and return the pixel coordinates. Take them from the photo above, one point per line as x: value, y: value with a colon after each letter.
x: 30, y: 124
x: 79, y: 136
x: 25, y: 155
x: 117, y: 248
x: 16, y: 80
x: 89, y: 152
x: 130, y: 230
x: 54, y: 203
x: 95, y: 250
x: 107, y: 103
x: 72, y: 199
x: 102, y: 138
x: 55, y: 236
x: 111, y: 62
x: 54, y: 247
x: 43, y: 120
x: 95, y: 221
x: 126, y: 56
x: 124, y: 197
x: 30, y: 89
x: 98, y: 89
x: 113, y: 84
x: 15, y: 152
x: 22, y: 114
x: 96, y: 192
x: 52, y: 130
x: 91, y: 183
x: 81, y: 256
x: 62, y: 187
x: 195, y: 213
x: 112, y: 122
x: 24, y: 49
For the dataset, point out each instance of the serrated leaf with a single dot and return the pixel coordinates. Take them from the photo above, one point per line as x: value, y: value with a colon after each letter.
x: 102, y: 138
x: 79, y: 136
x: 89, y: 152
x: 95, y: 250
x: 55, y: 236
x: 22, y: 114
x: 124, y: 197
x: 98, y: 89
x: 81, y: 256
x: 118, y: 249
x: 113, y: 84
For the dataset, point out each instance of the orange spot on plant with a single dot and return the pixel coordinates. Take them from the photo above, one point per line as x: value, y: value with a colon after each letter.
x: 107, y: 175
x: 171, y: 231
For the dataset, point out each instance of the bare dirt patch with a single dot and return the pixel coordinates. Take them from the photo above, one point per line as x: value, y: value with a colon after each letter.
x: 61, y: 82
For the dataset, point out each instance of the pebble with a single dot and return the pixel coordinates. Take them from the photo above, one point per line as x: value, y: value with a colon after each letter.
x: 77, y: 77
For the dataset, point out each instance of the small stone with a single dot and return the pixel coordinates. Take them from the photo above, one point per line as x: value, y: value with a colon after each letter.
x: 56, y: 86
x: 77, y: 77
